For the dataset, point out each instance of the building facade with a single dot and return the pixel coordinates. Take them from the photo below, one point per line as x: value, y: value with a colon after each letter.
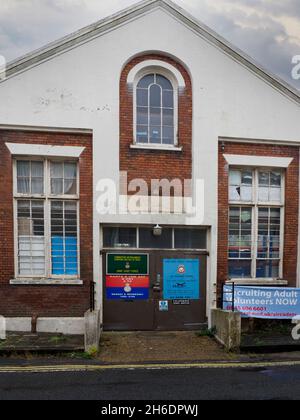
x: 153, y: 166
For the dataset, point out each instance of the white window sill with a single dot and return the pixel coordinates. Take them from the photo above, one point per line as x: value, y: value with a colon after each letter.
x: 156, y: 147
x: 258, y: 282
x: 46, y: 282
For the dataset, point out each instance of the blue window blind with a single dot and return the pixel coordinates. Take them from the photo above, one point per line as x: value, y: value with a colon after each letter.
x: 64, y: 240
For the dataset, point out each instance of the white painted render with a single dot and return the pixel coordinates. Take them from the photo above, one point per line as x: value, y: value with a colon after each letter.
x: 258, y: 161
x: 69, y: 326
x: 79, y: 89
x: 21, y: 149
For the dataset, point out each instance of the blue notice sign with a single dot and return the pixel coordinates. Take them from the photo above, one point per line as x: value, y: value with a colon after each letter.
x: 181, y: 279
x: 263, y: 302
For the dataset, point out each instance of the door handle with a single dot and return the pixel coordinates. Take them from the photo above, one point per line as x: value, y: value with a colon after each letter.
x: 157, y: 285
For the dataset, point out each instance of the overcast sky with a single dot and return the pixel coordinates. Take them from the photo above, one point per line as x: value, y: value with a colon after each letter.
x: 268, y: 30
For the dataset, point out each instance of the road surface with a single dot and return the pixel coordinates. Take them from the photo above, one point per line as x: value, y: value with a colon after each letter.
x: 278, y: 383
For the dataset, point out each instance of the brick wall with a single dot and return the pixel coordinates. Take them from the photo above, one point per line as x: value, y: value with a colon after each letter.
x: 155, y: 164
x: 46, y: 301
x: 291, y: 206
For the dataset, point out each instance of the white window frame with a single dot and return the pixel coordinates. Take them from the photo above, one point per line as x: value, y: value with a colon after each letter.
x: 255, y: 204
x: 173, y: 81
x: 47, y: 198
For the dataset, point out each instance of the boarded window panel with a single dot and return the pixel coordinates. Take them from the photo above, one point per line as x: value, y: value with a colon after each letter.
x: 31, y: 240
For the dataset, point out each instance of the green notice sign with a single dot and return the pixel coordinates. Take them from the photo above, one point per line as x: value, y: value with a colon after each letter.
x: 131, y: 264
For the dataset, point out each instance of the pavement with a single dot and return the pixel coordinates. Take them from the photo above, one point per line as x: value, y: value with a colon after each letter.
x: 128, y: 350
x: 25, y: 342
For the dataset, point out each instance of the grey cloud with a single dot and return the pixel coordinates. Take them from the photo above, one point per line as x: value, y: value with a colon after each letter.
x: 28, y: 24
x: 274, y: 7
x: 263, y: 38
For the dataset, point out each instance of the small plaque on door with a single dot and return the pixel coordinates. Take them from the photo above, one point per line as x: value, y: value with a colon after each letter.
x: 163, y: 306
x: 181, y: 302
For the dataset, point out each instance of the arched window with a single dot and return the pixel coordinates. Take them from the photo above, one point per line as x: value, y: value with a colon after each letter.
x: 155, y: 111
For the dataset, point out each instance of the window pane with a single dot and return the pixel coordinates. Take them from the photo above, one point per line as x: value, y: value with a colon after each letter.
x: 246, y: 178
x: 57, y: 170
x: 240, y: 232
x: 269, y: 186
x: 63, y: 178
x: 142, y: 97
x: 168, y: 135
x: 142, y: 134
x: 239, y: 269
x: 264, y: 179
x: 164, y: 82
x: 234, y: 178
x: 37, y: 169
x: 240, y: 185
x: 146, y: 81
x: 168, y: 117
x: 263, y: 194
x: 190, y: 239
x: 30, y: 177
x: 148, y: 240
x: 267, y: 269
x: 268, y: 232
x: 168, y: 99
x: 23, y: 169
x: 23, y: 185
x: 70, y: 170
x: 155, y: 135
x: 70, y: 186
x: 142, y: 116
x: 155, y: 96
x: 275, y: 180
x: 155, y: 116
x: 57, y: 186
x: 119, y: 237
x: 37, y: 185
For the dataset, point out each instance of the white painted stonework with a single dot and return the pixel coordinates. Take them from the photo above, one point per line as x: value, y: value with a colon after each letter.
x: 79, y: 89
x: 68, y: 326
x: 17, y: 149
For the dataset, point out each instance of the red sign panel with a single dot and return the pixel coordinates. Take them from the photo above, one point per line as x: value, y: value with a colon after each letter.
x: 132, y: 281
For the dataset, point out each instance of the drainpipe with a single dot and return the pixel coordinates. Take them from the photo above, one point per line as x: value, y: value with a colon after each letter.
x: 34, y: 320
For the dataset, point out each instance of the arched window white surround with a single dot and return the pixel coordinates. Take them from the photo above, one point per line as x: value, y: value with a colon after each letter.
x: 155, y: 123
